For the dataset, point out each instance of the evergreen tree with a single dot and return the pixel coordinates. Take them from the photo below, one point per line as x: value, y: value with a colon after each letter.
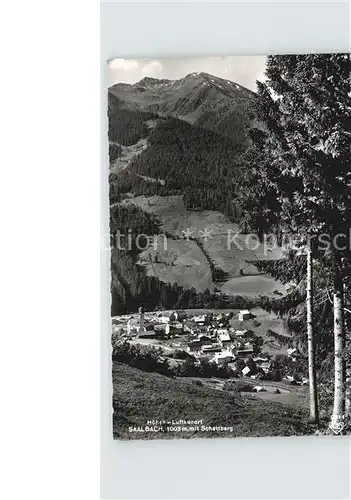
x: 304, y: 108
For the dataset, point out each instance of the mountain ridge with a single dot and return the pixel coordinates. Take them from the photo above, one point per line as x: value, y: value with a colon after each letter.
x: 200, y: 99
x: 201, y: 76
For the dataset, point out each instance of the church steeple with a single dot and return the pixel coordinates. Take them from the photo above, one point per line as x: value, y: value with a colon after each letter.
x: 141, y: 320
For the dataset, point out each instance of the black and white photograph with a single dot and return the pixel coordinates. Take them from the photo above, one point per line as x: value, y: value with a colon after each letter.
x: 230, y: 241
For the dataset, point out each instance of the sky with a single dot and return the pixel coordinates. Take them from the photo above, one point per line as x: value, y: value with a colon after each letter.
x: 244, y: 70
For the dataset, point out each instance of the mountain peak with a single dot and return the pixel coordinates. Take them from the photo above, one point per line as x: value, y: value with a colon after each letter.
x: 150, y: 81
x: 202, y: 74
x: 201, y: 99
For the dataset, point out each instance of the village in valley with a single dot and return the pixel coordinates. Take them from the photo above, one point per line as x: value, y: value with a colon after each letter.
x: 224, y: 338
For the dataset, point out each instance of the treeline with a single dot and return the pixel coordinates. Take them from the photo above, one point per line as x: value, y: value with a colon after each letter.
x: 290, y: 269
x: 152, y: 359
x: 127, y: 182
x: 146, y: 358
x: 218, y: 275
x: 132, y: 288
x: 129, y: 218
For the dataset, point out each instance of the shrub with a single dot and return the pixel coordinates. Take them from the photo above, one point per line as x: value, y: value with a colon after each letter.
x: 243, y: 387
x: 145, y: 358
x: 275, y: 375
x: 180, y: 354
x: 239, y: 386
x: 240, y: 365
x: 152, y: 359
x: 187, y: 369
x: 197, y: 382
x: 229, y: 385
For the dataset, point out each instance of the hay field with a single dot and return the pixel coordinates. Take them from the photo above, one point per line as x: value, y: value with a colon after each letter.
x: 182, y: 262
x: 213, y: 236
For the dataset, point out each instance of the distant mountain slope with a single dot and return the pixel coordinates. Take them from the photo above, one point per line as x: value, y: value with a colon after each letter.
x: 182, y: 138
x: 198, y: 98
x: 190, y: 160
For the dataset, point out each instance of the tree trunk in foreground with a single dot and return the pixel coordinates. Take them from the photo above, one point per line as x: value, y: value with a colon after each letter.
x: 339, y: 346
x: 314, y: 417
x: 347, y: 378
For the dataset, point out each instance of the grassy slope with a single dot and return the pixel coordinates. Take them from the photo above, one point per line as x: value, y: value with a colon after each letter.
x: 180, y: 261
x: 139, y: 396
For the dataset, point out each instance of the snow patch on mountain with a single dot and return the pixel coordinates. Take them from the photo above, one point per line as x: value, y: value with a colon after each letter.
x: 201, y: 99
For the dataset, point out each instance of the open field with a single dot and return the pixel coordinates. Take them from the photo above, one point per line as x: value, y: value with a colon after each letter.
x: 139, y: 396
x: 293, y: 397
x: 182, y: 262
x: 223, y: 247
x: 158, y: 205
x: 290, y: 395
x: 253, y: 286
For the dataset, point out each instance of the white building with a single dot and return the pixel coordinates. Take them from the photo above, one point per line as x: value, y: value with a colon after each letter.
x: 132, y: 326
x: 163, y: 318
x: 224, y: 338
x: 244, y: 315
x: 259, y: 388
x: 245, y: 371
x: 292, y: 352
x: 223, y: 357
x: 200, y: 319
x: 211, y: 348
x: 222, y: 330
x: 176, y: 325
x: 241, y: 333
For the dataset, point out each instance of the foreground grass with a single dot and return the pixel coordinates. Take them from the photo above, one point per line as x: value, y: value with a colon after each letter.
x: 140, y: 396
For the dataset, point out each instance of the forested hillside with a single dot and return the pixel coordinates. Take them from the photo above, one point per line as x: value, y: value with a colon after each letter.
x: 127, y: 127
x: 196, y: 162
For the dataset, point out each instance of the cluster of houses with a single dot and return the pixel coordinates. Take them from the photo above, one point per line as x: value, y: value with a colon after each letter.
x: 204, y: 336
x: 207, y: 336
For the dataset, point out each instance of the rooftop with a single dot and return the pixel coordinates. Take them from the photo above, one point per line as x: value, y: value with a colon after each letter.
x: 224, y: 337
